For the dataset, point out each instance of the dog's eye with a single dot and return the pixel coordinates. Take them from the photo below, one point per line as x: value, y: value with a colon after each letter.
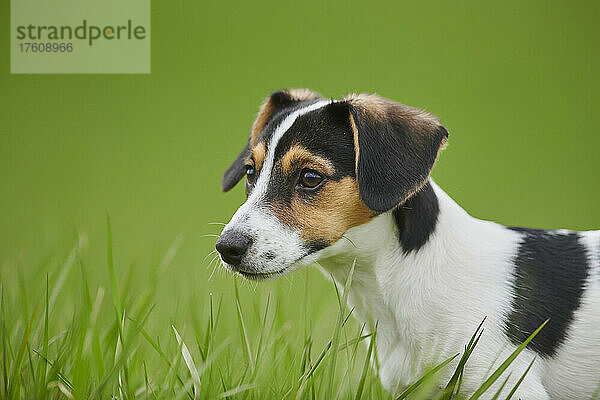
x: 310, y: 178
x: 250, y: 172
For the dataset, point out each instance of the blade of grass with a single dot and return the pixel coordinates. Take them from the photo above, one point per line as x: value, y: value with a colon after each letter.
x: 161, y: 353
x: 359, y: 335
x: 427, y: 376
x: 16, y: 367
x: 262, y: 331
x: 488, y: 382
x: 209, y: 329
x: 126, y: 351
x: 111, y: 268
x: 189, y: 362
x: 458, y: 385
x: 96, y: 349
x: 42, y: 365
x: 59, y: 375
x: 118, y: 353
x: 4, y: 364
x: 222, y: 382
x: 318, y: 362
x: 63, y: 389
x: 64, y: 272
x: 242, y: 326
x: 355, y: 341
x: 367, y: 364
x: 234, y: 391
x: 451, y: 386
x: 146, y: 383
x: 173, y: 374
x: 514, y: 389
x: 497, y: 394
x: 338, y: 329
x: 306, y: 379
x: 30, y: 363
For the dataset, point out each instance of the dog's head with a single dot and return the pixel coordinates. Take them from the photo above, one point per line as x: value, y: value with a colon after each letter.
x: 317, y: 167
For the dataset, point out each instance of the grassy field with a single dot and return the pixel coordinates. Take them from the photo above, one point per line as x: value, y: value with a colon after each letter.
x: 82, y: 315
x: 82, y: 341
x: 64, y: 335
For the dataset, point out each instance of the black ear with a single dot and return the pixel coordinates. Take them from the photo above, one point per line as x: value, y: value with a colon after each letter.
x: 275, y: 102
x: 396, y: 147
x: 236, y: 170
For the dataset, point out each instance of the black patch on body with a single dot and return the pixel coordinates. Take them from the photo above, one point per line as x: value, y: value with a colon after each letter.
x: 550, y: 274
x: 416, y: 219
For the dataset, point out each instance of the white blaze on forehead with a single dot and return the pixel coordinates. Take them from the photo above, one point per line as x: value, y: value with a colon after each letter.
x: 265, y: 175
x: 269, y: 235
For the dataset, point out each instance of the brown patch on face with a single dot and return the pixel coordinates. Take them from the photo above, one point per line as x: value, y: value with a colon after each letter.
x: 300, y: 156
x: 259, y: 153
x: 325, y: 217
x: 355, y: 136
x: 264, y: 115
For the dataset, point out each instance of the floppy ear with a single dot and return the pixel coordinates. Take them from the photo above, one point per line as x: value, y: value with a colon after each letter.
x: 396, y: 147
x: 236, y: 170
x: 276, y: 102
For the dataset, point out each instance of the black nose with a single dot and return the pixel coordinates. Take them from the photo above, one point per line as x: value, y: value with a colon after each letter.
x: 232, y: 246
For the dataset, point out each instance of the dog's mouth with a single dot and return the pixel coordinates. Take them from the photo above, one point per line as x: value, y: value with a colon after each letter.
x: 261, y: 276
x: 266, y: 275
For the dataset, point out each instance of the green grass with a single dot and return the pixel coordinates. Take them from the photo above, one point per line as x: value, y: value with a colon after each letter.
x: 64, y: 335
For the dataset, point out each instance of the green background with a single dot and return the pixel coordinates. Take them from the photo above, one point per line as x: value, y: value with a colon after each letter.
x: 516, y: 84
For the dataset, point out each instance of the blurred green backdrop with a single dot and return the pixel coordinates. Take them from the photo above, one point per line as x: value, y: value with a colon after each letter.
x: 516, y: 84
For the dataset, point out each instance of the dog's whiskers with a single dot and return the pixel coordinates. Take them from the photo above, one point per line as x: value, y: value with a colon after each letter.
x: 212, y: 272
x: 215, y: 264
x: 212, y: 260
x: 216, y: 261
x: 209, y: 254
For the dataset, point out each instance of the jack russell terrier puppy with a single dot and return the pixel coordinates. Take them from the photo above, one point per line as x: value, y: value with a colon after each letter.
x: 334, y: 181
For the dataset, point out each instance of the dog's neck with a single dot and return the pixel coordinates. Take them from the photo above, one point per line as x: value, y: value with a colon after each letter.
x: 411, y: 232
x: 402, y: 263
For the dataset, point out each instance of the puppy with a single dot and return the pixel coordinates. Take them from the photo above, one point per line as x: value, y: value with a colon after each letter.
x: 338, y: 181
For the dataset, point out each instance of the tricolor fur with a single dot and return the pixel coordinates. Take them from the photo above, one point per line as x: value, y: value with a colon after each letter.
x: 334, y: 181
